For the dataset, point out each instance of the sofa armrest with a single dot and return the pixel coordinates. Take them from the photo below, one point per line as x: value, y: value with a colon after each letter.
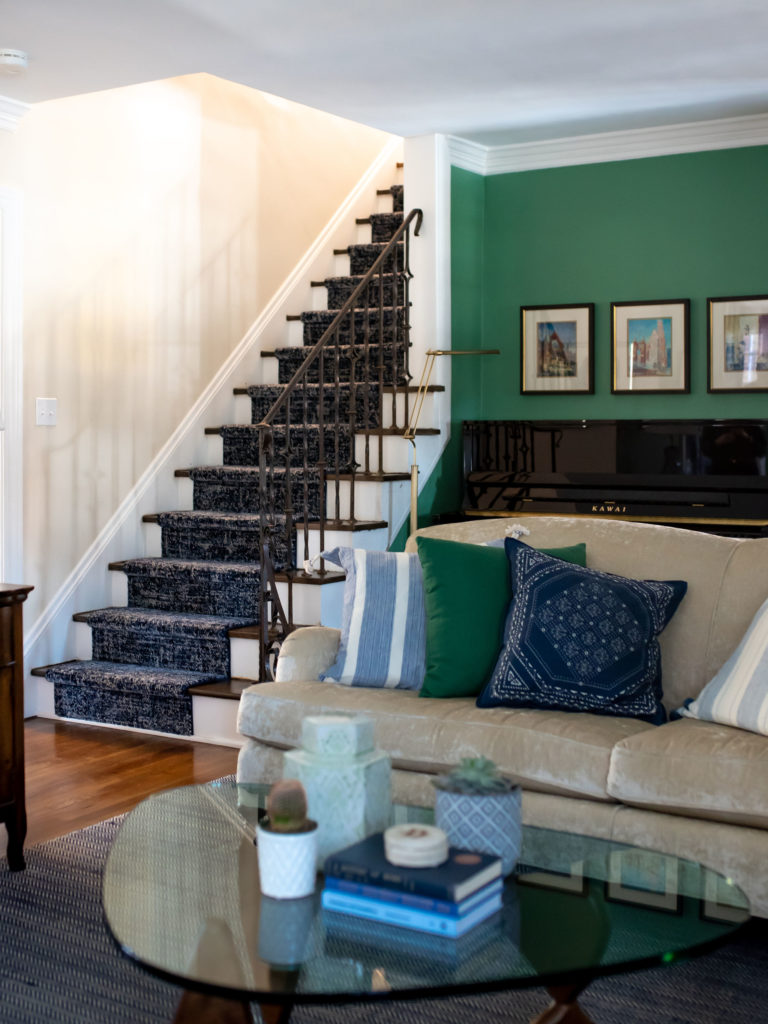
x: 306, y: 653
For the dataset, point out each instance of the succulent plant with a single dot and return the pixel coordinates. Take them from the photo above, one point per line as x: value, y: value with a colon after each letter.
x: 478, y: 776
x: 287, y: 807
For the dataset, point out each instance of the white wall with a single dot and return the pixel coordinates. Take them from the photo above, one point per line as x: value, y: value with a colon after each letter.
x: 160, y: 221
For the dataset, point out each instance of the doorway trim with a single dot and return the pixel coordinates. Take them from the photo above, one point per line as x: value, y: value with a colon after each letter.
x: 11, y: 380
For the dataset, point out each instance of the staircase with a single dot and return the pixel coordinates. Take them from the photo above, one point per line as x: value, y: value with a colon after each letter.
x: 229, y: 569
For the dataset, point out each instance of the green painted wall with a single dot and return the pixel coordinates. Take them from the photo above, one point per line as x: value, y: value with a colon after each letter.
x: 690, y: 226
x: 693, y: 226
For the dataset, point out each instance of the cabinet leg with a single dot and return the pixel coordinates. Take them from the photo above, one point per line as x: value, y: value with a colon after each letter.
x: 17, y: 830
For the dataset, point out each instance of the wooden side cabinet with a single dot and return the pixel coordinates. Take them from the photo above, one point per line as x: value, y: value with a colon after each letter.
x: 12, y: 806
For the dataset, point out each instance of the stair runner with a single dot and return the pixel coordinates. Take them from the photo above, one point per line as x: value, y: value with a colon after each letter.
x: 174, y: 632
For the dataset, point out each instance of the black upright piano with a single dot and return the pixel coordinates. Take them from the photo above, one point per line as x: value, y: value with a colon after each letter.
x: 705, y: 475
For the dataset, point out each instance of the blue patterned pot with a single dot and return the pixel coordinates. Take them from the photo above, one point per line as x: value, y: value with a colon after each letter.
x: 487, y: 824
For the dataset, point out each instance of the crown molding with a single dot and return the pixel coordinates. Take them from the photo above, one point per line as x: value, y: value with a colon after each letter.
x: 11, y: 112
x: 634, y: 144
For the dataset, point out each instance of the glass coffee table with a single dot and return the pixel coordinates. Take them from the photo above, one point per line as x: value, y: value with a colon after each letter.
x: 181, y: 898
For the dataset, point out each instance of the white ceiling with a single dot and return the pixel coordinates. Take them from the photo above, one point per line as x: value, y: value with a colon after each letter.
x: 493, y: 71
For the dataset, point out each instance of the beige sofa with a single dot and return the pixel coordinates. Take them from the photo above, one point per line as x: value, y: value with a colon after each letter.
x: 689, y: 788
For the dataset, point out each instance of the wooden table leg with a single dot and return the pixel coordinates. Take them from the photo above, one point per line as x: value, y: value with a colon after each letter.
x: 565, y: 1008
x: 197, y: 1008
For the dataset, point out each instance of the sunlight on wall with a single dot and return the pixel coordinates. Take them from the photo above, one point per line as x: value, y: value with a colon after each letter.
x: 159, y: 221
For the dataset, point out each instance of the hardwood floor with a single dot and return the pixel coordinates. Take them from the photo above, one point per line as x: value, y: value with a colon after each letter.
x: 77, y: 775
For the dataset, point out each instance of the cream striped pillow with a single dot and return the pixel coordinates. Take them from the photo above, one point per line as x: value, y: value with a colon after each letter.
x: 738, y: 694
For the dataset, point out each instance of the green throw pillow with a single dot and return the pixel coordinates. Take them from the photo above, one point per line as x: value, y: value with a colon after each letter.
x: 466, y: 595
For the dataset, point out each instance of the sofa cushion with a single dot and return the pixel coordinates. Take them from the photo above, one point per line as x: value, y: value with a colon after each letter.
x: 581, y: 640
x: 726, y: 581
x: 552, y: 751
x: 466, y: 594
x: 383, y: 622
x: 738, y: 694
x: 694, y: 768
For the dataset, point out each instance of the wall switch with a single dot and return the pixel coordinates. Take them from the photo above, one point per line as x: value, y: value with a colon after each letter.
x: 45, y: 412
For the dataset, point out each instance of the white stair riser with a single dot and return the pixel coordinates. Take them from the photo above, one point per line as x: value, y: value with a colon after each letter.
x: 373, y: 499
x: 214, y: 720
x: 370, y: 540
x: 395, y: 454
x: 315, y: 605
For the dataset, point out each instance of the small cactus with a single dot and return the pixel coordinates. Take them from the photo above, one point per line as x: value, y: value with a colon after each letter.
x: 287, y: 807
x: 474, y: 775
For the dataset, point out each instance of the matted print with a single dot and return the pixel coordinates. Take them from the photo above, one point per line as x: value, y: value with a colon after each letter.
x: 738, y: 344
x: 649, y: 343
x: 556, y: 350
x: 644, y: 877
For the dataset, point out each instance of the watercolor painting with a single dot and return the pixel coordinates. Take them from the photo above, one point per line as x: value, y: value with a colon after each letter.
x: 556, y: 349
x: 649, y: 346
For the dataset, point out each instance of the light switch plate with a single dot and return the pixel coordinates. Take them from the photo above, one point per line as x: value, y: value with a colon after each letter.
x: 45, y: 412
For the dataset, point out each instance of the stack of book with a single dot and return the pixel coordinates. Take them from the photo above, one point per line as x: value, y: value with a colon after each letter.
x: 446, y: 900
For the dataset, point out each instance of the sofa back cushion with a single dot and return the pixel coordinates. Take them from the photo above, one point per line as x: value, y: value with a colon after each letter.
x: 727, y: 581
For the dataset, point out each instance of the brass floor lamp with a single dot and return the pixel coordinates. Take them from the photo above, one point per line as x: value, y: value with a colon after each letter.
x: 410, y: 431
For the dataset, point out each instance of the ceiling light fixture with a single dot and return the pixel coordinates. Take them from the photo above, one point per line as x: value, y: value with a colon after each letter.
x: 12, y: 62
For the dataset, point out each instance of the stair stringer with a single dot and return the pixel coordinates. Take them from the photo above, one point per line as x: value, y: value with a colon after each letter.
x: 51, y: 638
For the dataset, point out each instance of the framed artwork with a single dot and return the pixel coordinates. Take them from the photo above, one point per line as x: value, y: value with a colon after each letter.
x: 721, y: 900
x: 650, y: 346
x: 573, y: 881
x: 557, y: 349
x: 738, y: 343
x: 645, y: 878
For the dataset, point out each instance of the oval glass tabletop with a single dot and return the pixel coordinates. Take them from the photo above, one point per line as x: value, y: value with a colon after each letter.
x: 181, y: 897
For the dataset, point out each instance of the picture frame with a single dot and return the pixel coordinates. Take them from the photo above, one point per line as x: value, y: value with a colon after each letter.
x: 721, y: 900
x: 573, y: 881
x: 737, y: 344
x: 557, y: 349
x: 650, y: 347
x: 644, y: 878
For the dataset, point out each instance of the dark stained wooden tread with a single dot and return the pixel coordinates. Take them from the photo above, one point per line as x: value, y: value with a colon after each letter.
x: 150, y: 517
x: 398, y: 431
x: 311, y: 579
x: 383, y: 478
x: 353, y: 525
x: 225, y: 689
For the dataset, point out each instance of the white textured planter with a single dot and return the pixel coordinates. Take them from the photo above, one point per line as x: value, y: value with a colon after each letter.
x: 487, y: 824
x: 287, y: 863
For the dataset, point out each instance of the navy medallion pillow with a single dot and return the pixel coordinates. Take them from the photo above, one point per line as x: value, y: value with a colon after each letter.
x: 576, y: 639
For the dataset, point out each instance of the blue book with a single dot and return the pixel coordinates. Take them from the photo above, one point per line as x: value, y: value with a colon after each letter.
x: 407, y: 917
x: 412, y: 899
x: 462, y: 874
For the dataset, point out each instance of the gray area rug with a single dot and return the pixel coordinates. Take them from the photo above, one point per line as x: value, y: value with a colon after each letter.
x: 58, y: 964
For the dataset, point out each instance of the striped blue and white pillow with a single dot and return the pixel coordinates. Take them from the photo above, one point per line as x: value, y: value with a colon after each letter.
x: 738, y: 694
x: 383, y: 627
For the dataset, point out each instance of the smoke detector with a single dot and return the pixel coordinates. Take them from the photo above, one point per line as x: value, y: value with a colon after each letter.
x: 12, y: 61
